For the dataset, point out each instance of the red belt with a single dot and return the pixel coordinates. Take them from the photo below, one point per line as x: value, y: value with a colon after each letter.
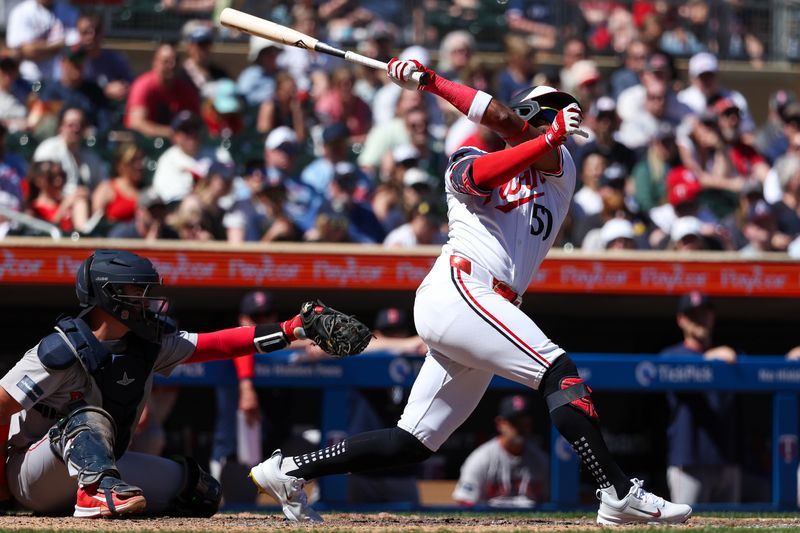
x: 500, y: 287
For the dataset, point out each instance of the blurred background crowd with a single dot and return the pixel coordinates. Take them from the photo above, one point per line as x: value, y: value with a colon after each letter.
x: 297, y: 146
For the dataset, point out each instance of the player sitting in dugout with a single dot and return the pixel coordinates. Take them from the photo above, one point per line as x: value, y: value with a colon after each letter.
x: 68, y: 407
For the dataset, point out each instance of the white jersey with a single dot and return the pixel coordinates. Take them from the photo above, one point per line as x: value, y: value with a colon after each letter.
x: 491, y: 472
x: 45, y: 395
x: 510, y: 229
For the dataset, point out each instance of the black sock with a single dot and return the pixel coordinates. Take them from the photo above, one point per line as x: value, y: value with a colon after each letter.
x: 587, y: 441
x: 372, y: 450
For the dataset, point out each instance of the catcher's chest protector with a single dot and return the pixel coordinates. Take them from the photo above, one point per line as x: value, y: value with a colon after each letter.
x: 121, y: 377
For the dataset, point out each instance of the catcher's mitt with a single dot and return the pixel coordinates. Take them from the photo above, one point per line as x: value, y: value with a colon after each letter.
x: 338, y: 334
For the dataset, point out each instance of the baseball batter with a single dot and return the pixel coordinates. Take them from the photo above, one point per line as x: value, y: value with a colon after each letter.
x: 504, y: 209
x: 77, y: 395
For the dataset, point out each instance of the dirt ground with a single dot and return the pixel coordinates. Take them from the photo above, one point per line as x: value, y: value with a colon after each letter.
x: 378, y: 522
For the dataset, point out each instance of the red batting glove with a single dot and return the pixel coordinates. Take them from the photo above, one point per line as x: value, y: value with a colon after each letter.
x: 567, y: 122
x: 293, y: 329
x: 400, y: 72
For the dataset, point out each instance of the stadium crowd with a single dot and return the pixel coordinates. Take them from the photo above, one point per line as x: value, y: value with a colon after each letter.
x: 302, y: 147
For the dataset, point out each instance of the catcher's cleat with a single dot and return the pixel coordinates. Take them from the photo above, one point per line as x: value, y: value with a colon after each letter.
x: 639, y: 506
x: 110, y: 497
x: 287, y: 490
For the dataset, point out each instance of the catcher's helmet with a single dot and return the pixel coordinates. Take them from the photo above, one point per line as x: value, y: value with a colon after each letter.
x: 540, y: 104
x: 104, y: 281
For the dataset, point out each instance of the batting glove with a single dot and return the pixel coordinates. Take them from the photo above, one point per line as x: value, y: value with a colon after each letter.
x: 400, y: 72
x: 567, y: 122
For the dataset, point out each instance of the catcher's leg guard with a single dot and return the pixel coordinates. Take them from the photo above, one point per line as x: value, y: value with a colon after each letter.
x: 574, y: 415
x: 84, y: 440
x: 200, y: 495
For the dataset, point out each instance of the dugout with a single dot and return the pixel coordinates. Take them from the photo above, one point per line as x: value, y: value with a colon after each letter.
x: 615, y: 304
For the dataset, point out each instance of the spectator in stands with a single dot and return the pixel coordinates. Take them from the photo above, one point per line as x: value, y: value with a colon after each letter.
x: 683, y: 190
x: 257, y: 82
x: 517, y: 75
x: 340, y: 105
x: 49, y: 200
x: 13, y: 103
x: 214, y: 180
x: 362, y: 224
x: 705, y: 88
x: 574, y: 51
x: 657, y: 71
x: 747, y: 161
x: 770, y: 139
x: 118, y: 197
x: 424, y: 226
x: 631, y: 71
x: 618, y: 234
x: 387, y: 204
x: 787, y: 209
x: 678, y: 39
x: 604, y: 122
x: 649, y: 174
x: 285, y: 108
x: 71, y: 89
x: 335, y: 149
x: 455, y: 53
x: 107, y: 68
x: 702, y: 436
x: 612, y: 193
x: 587, y: 81
x: 686, y: 234
x: 638, y: 131
x: 158, y: 95
x: 222, y: 111
x: 534, y: 19
x: 303, y: 67
x: 773, y: 190
x: 197, y: 68
x: 760, y: 230
x: 12, y: 170
x: 173, y: 178
x: 329, y: 226
x: 38, y: 30
x: 82, y: 166
x: 587, y: 201
x: 386, y: 136
x: 149, y: 222
x: 256, y: 307
x: 510, y: 470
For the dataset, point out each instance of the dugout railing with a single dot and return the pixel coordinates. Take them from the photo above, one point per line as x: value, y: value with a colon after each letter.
x: 603, y: 372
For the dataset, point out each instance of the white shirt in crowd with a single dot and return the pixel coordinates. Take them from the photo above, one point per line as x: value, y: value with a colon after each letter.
x: 87, y: 169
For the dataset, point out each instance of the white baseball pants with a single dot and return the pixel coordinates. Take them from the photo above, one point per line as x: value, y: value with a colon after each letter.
x: 472, y: 334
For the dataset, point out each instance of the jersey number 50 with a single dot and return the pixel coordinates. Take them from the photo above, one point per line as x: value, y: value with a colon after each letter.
x: 541, y: 221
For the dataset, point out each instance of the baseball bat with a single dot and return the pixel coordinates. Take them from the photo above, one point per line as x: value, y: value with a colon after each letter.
x: 233, y: 18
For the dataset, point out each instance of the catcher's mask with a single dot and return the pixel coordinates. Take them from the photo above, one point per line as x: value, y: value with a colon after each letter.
x: 540, y: 105
x: 121, y: 283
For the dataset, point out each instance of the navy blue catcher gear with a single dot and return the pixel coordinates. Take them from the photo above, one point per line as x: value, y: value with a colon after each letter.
x: 540, y: 105
x: 119, y: 282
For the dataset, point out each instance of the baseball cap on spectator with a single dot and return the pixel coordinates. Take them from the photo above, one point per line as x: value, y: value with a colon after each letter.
x: 416, y: 176
x: 392, y: 319
x: 616, y: 228
x: 682, y: 186
x: 780, y: 99
x: 258, y: 45
x: 226, y: 100
x: 257, y: 303
x: 605, y: 105
x: 693, y: 300
x: 791, y: 112
x: 585, y: 72
x: 200, y: 34
x: 344, y: 174
x: 657, y: 63
x: 613, y: 176
x: 187, y: 122
x: 702, y: 63
x: 8, y: 64
x: 335, y: 132
x: 684, y: 227
x: 723, y: 105
x: 281, y: 138
x: 760, y: 212
x: 75, y: 54
x: 405, y: 153
x: 514, y: 406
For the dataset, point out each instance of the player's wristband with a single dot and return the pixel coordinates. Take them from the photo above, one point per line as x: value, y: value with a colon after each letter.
x: 469, y: 101
x: 269, y: 338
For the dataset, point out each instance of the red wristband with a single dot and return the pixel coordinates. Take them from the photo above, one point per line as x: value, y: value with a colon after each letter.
x: 289, y: 326
x: 457, y: 94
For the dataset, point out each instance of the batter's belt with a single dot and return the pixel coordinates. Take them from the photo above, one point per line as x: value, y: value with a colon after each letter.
x: 481, y: 274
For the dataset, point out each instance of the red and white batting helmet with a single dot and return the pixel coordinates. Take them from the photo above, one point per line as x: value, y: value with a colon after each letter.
x: 540, y: 104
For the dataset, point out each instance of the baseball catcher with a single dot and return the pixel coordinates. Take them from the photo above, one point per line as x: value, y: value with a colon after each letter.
x: 69, y: 406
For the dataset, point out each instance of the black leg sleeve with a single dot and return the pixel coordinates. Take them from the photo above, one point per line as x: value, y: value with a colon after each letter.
x: 372, y: 450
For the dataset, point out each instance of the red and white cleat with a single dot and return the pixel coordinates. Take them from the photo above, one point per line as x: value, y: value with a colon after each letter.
x: 110, y: 497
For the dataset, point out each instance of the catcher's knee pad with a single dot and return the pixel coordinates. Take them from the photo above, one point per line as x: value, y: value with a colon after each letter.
x: 84, y: 440
x: 561, y: 385
x: 200, y: 494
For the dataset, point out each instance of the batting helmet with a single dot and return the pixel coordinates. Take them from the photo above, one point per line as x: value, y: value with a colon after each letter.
x: 540, y: 105
x: 118, y: 282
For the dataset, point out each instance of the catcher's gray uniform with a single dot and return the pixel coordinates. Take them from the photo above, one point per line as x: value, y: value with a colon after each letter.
x: 38, y: 479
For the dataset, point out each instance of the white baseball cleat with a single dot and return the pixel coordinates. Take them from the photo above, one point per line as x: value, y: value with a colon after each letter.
x: 287, y: 490
x: 639, y: 506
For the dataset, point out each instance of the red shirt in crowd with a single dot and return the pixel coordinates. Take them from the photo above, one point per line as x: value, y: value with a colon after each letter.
x: 162, y: 102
